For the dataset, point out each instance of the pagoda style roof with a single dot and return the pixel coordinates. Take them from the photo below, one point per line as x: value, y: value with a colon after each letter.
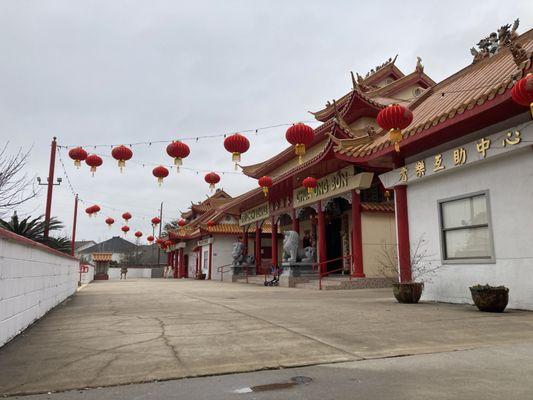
x: 488, y: 80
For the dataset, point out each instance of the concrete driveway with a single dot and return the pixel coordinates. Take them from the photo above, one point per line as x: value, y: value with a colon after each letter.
x: 119, y: 332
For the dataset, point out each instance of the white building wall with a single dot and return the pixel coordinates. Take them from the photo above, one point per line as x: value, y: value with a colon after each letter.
x: 32, y: 282
x: 509, y: 180
x: 222, y: 248
x: 87, y: 277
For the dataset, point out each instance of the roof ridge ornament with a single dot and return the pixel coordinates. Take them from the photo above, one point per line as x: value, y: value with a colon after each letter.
x: 390, y: 61
x: 492, y: 44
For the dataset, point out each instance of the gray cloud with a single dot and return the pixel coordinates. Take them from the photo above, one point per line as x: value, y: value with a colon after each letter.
x: 127, y: 71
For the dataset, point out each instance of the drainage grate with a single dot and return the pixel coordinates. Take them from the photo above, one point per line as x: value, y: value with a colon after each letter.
x: 301, y: 380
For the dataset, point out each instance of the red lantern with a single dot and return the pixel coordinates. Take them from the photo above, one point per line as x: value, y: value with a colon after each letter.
x: 138, y: 234
x: 522, y: 92
x: 300, y: 136
x: 236, y: 144
x: 160, y: 173
x: 93, y: 161
x: 178, y: 150
x: 169, y: 243
x: 121, y: 154
x: 393, y: 119
x: 150, y: 239
x: 89, y: 211
x: 155, y: 221
x: 265, y: 182
x: 182, y: 223
x: 212, y: 178
x: 95, y: 209
x: 126, y: 216
x: 310, y: 183
x: 211, y: 223
x: 78, y: 155
x: 125, y: 229
x: 109, y: 221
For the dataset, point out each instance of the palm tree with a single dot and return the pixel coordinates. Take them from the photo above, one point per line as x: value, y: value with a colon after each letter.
x: 34, y: 229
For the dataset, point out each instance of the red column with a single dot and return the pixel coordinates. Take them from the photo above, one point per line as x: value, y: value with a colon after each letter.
x: 175, y: 267
x: 402, y: 228
x: 322, y: 250
x: 182, y: 265
x: 274, y: 243
x: 357, y: 236
x: 245, y: 241
x: 210, y: 260
x: 295, y: 222
x: 257, y: 245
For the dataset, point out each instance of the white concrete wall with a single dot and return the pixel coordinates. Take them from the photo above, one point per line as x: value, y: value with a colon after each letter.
x: 510, y: 183
x: 222, y: 248
x: 32, y: 282
x: 114, y: 273
x: 88, y: 276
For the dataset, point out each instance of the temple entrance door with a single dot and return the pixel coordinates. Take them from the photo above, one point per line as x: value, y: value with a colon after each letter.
x: 334, y: 242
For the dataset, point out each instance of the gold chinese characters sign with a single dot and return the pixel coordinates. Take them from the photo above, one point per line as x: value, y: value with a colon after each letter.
x: 468, y: 153
x: 255, y: 214
x: 333, y: 184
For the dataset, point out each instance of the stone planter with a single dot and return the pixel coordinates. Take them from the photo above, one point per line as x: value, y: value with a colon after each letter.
x: 408, y: 292
x: 490, y: 298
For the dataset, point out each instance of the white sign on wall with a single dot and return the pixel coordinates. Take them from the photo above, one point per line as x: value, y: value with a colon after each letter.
x: 481, y: 149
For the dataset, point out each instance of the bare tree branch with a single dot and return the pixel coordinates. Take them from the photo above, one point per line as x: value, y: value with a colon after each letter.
x: 422, y: 262
x: 16, y: 187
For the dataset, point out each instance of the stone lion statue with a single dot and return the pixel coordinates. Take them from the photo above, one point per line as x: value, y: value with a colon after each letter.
x: 237, y: 253
x: 292, y: 253
x: 290, y: 246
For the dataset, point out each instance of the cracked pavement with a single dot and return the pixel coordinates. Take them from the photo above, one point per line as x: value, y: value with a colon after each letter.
x: 120, y: 332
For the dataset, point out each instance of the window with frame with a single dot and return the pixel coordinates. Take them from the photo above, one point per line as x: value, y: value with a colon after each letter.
x: 465, y: 228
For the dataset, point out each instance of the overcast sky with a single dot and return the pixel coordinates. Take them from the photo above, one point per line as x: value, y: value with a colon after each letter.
x: 106, y: 72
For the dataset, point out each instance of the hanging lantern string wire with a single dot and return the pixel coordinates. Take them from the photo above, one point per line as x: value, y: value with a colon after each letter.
x: 153, y: 164
x: 83, y: 201
x: 191, y: 138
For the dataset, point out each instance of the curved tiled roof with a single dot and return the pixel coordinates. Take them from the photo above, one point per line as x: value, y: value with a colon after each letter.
x: 465, y: 90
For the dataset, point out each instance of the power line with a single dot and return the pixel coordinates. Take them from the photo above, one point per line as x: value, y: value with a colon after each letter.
x: 191, y: 138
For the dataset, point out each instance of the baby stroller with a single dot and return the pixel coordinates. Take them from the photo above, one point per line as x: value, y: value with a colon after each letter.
x: 275, y: 277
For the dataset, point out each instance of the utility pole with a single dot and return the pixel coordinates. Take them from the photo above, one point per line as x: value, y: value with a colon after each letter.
x: 50, y: 185
x: 75, y: 219
x: 160, y: 229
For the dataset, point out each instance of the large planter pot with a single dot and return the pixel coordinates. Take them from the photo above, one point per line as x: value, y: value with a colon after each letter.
x: 490, y: 298
x: 408, y: 292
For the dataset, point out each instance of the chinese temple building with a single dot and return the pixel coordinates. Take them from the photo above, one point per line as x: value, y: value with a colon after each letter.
x: 202, y: 247
x: 448, y: 195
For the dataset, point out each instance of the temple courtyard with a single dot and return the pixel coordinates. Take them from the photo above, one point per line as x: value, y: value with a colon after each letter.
x: 361, y: 341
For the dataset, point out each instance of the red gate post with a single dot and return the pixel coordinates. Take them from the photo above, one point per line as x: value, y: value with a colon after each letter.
x: 274, y: 245
x: 210, y: 260
x: 322, y: 249
x: 402, y: 227
x: 295, y: 222
x: 357, y: 236
x: 257, y: 247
